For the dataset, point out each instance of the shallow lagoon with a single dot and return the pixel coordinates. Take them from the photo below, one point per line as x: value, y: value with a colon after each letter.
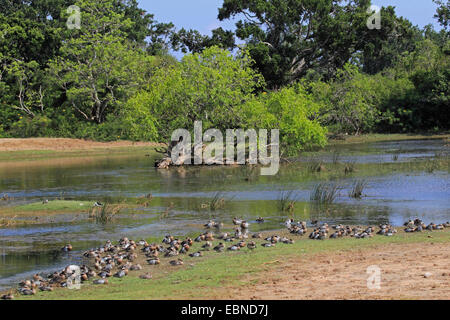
x: 400, y: 185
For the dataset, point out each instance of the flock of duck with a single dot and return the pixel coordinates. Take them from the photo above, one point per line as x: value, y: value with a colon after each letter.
x: 118, y: 260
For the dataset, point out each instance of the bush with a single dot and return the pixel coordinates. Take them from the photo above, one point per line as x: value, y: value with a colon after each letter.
x: 294, y: 113
x: 38, y: 126
x: 211, y: 87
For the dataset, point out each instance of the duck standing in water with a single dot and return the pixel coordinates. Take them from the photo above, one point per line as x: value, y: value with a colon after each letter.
x: 260, y: 220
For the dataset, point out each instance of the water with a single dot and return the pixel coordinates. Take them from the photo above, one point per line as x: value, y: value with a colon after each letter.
x: 397, y: 189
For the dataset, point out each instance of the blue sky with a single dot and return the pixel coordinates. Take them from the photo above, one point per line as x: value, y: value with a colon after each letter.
x: 202, y: 14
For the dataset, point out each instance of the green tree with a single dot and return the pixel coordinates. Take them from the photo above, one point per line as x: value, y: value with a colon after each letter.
x: 98, y: 69
x: 210, y: 86
x: 287, y: 38
x: 387, y: 45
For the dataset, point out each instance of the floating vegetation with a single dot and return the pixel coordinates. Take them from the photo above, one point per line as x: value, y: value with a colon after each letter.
x: 357, y: 189
x: 105, y: 213
x: 286, y: 200
x: 325, y: 193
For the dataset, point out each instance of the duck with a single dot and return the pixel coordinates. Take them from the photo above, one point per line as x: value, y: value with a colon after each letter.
x: 142, y: 243
x: 145, y: 276
x: 121, y: 273
x: 257, y: 235
x: 288, y: 241
x: 268, y: 244
x: 46, y: 288
x: 7, y: 296
x: 200, y: 238
x: 167, y: 239
x: 218, y: 225
x: 236, y: 221
x: 209, y: 236
x: 223, y: 235
x: 136, y: 267
x: 288, y: 223
x: 184, y: 249
x: 178, y: 262
x: 260, y: 220
x: 153, y: 261
x: 45, y: 201
x: 251, y: 245
x: 100, y: 281
x: 244, y: 225
x: 220, y: 247
x: 209, y: 224
x: 196, y: 254
x: 27, y: 291
x: 98, y: 204
x: 234, y: 248
x: 67, y: 248
x: 207, y: 245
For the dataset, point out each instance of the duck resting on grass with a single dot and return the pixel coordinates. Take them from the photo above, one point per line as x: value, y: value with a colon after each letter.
x: 119, y: 260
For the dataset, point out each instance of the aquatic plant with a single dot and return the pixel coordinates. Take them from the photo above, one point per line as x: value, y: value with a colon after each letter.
x: 325, y: 193
x: 395, y: 156
x: 315, y: 166
x: 217, y: 202
x: 286, y: 200
x: 166, y: 212
x: 357, y: 189
x: 249, y: 172
x: 105, y: 213
x: 335, y: 157
x: 350, y: 167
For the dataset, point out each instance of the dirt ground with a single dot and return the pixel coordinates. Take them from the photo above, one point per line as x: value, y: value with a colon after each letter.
x: 344, y: 276
x: 61, y: 144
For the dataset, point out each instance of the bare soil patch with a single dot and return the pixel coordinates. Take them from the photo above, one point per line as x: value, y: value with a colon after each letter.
x: 343, y: 275
x: 62, y: 144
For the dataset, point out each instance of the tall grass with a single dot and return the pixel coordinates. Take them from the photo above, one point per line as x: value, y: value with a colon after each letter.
x: 335, y: 157
x: 315, y: 166
x: 105, y: 213
x: 395, y: 156
x: 325, y: 193
x: 286, y: 200
x: 217, y: 202
x: 249, y: 172
x: 350, y: 167
x: 357, y: 189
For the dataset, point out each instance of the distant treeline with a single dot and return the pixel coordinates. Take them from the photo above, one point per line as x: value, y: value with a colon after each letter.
x: 306, y: 68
